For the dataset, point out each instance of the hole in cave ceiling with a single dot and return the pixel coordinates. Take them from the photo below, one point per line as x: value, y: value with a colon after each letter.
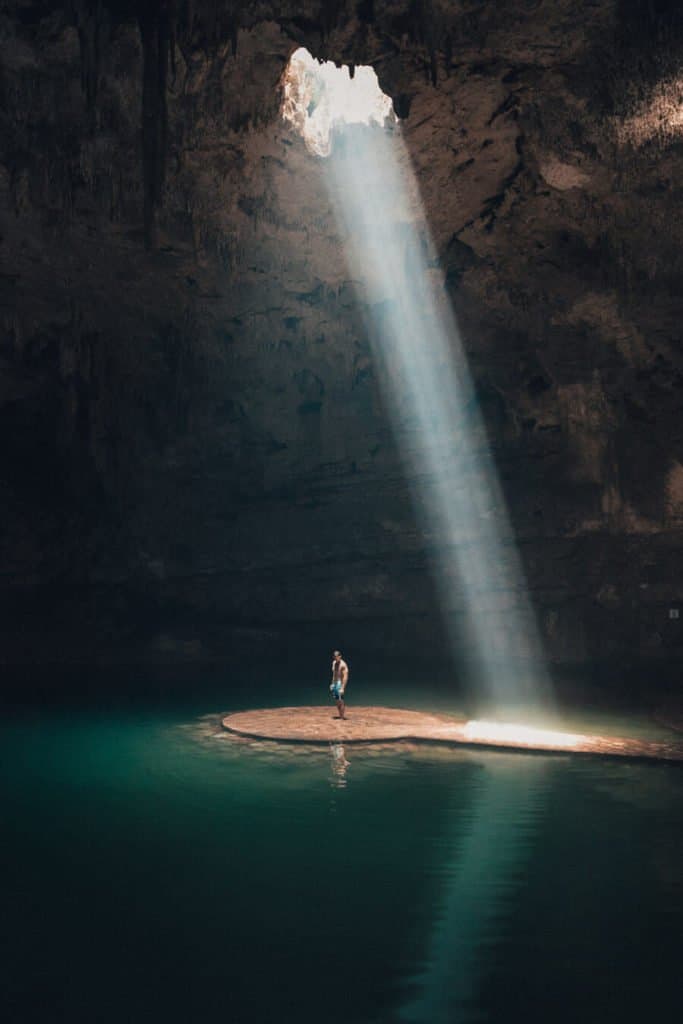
x: 318, y: 97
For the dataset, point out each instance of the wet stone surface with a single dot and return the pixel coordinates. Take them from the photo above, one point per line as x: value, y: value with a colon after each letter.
x: 372, y: 724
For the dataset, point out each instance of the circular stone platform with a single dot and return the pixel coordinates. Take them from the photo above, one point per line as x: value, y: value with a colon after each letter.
x: 323, y: 725
x: 374, y: 724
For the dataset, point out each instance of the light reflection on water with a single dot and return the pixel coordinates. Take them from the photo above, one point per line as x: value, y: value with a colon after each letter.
x: 481, y: 880
x: 174, y: 867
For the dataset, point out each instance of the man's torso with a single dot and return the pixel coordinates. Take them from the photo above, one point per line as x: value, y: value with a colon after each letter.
x: 340, y: 671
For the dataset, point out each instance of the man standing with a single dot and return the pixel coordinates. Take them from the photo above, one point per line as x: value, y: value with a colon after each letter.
x: 340, y: 677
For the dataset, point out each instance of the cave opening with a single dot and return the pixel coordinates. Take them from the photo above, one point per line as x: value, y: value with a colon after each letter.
x: 319, y: 97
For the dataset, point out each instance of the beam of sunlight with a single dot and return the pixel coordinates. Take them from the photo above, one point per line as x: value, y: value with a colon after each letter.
x: 430, y: 397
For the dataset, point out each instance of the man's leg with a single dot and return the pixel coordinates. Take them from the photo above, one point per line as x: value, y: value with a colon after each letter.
x: 342, y: 707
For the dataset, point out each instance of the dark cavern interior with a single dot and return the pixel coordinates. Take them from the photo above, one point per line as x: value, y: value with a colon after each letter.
x: 352, y: 323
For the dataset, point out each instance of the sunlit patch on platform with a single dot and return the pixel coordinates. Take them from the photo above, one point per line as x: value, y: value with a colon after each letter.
x: 523, y: 735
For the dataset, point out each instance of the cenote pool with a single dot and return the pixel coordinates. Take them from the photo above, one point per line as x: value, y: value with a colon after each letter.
x: 155, y: 869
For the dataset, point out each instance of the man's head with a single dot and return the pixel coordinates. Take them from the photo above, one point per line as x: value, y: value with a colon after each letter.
x: 337, y: 655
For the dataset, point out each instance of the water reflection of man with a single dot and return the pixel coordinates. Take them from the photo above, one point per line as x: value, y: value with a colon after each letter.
x: 339, y: 764
x: 340, y: 677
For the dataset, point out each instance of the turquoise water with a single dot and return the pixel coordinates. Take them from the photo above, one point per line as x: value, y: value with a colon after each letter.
x: 154, y: 869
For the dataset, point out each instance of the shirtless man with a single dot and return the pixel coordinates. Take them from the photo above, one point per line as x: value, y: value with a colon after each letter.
x: 340, y: 677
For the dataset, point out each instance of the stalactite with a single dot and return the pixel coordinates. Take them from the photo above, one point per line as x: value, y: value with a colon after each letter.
x: 234, y: 31
x: 448, y: 52
x: 423, y: 18
x: 172, y: 37
x: 329, y: 16
x: 154, y: 19
x: 365, y: 11
x: 89, y: 17
x: 433, y: 67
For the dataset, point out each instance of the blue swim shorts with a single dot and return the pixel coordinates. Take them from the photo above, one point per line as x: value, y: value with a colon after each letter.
x: 336, y: 691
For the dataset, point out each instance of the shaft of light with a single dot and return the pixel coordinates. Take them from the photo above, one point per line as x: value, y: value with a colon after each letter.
x: 437, y: 424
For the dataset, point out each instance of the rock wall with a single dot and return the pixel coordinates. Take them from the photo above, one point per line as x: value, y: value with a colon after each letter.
x: 193, y: 434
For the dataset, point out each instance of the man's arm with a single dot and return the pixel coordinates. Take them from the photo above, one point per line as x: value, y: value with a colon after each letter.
x: 344, y: 675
